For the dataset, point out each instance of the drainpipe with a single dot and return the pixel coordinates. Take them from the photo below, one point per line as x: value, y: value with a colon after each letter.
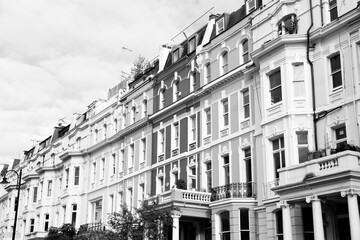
x: 321, y: 13
x: 312, y: 75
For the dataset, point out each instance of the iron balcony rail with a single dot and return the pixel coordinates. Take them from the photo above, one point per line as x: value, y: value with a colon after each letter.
x: 234, y: 190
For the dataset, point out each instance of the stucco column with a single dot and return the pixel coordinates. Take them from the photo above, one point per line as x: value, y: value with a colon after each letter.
x: 176, y: 224
x: 286, y: 219
x: 317, y: 217
x: 354, y: 217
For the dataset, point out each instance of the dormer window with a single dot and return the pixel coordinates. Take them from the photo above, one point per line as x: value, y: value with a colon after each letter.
x: 288, y: 25
x: 251, y: 5
x: 192, y: 44
x: 220, y: 26
x: 176, y: 55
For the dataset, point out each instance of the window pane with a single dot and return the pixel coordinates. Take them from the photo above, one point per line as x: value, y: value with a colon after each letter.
x: 337, y: 81
x: 246, y: 97
x: 276, y: 95
x: 246, y: 111
x: 279, y: 222
x: 299, y: 89
x: 275, y: 144
x: 335, y: 62
x: 340, y: 133
x: 225, y: 221
x: 333, y: 14
x: 244, y: 219
x: 302, y: 137
x: 275, y: 79
x: 245, y: 46
x: 303, y: 154
x: 245, y: 235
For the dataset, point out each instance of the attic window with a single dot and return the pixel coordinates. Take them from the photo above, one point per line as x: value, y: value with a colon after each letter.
x: 192, y: 44
x: 220, y: 26
x: 251, y: 5
x: 176, y: 55
x: 288, y: 25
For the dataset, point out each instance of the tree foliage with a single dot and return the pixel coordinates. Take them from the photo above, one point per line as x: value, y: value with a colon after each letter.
x: 65, y: 232
x: 139, y: 65
x: 150, y: 221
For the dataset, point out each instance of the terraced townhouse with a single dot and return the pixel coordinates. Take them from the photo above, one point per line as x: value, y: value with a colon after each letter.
x: 256, y: 112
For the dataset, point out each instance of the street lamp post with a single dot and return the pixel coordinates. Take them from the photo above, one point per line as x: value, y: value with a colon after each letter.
x: 5, y: 181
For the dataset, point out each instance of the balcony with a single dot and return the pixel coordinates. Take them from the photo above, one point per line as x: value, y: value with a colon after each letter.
x: 98, y: 226
x: 321, y: 167
x: 327, y: 175
x: 184, y: 196
x: 234, y: 190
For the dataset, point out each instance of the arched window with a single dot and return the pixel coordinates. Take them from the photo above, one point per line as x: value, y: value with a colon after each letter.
x: 115, y: 125
x: 176, y: 92
x: 224, y: 63
x: 144, y: 108
x: 105, y: 131
x: 133, y: 110
x: 96, y: 135
x: 245, y: 51
x: 207, y: 73
x: 192, y: 82
x: 162, y: 99
x: 225, y: 225
x: 52, y: 157
x: 78, y: 143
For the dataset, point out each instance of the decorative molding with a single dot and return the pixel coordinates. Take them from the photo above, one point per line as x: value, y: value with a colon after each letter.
x: 312, y: 198
x: 352, y: 192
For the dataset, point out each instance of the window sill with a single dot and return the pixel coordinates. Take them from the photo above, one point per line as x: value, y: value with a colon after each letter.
x: 336, y: 95
x: 131, y: 170
x: 273, y: 109
x: 245, y: 123
x: 121, y: 174
x: 112, y: 177
x: 161, y: 157
x: 207, y: 140
x: 142, y: 165
x: 192, y: 146
x: 175, y: 152
x: 224, y: 132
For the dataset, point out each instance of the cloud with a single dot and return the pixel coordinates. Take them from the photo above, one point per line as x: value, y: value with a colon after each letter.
x: 56, y: 57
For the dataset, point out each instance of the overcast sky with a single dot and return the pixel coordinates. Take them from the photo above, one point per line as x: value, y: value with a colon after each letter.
x: 57, y: 56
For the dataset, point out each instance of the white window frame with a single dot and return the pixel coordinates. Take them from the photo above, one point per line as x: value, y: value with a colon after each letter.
x: 220, y: 26
x: 76, y: 177
x: 193, y: 129
x: 245, y: 56
x: 176, y: 135
x: 176, y: 92
x: 224, y: 62
x: 113, y: 159
x: 336, y: 71
x: 246, y: 104
x: 161, y: 141
x: 132, y: 155
x: 273, y: 89
x: 192, y: 81
x: 207, y: 121
x: 49, y: 188
x: 207, y: 73
x: 281, y: 151
x: 143, y: 149
x: 225, y: 114
x: 162, y: 98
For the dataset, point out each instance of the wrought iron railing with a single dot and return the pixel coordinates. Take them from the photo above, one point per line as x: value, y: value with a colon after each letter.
x: 234, y: 190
